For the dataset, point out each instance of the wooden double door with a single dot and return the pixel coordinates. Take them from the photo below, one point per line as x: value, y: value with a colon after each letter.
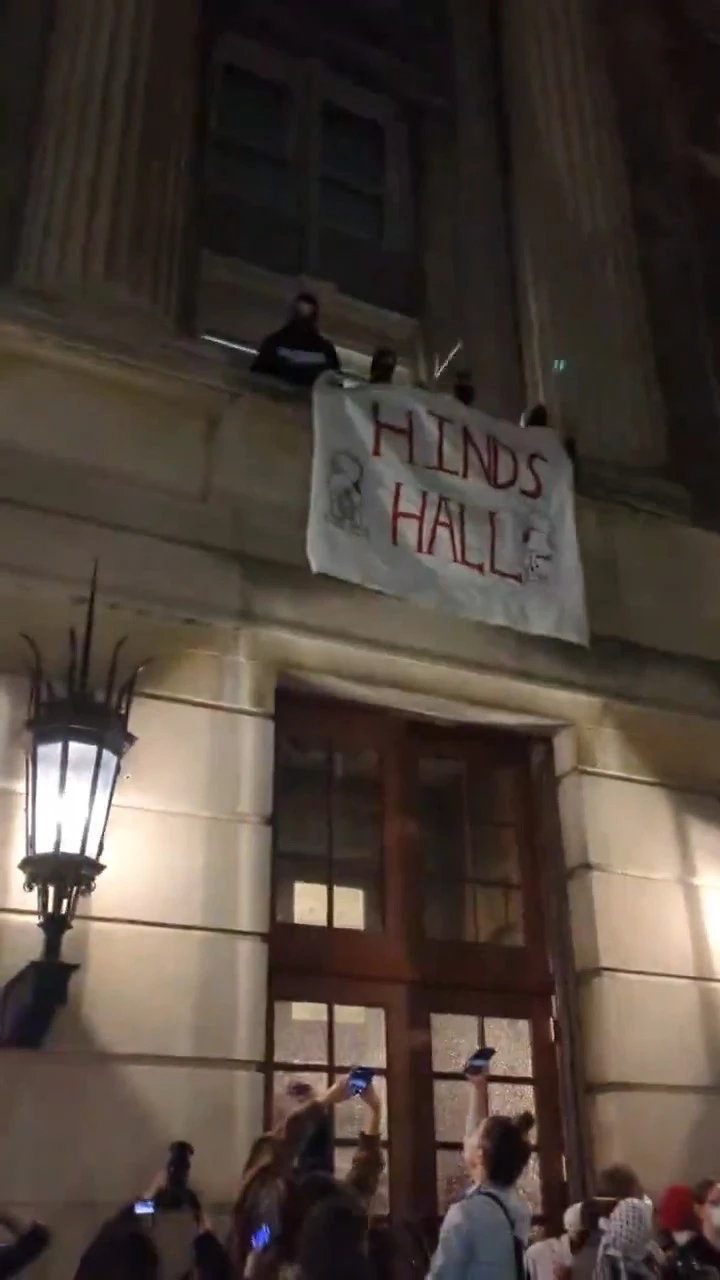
x: 409, y: 926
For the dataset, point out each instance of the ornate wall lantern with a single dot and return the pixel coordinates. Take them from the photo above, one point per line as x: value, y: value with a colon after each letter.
x: 77, y: 738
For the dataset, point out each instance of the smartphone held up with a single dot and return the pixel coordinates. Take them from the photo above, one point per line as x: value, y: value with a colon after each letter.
x: 359, y: 1081
x: 478, y: 1064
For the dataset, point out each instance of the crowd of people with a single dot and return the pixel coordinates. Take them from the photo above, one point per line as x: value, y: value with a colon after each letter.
x: 293, y: 1219
x: 298, y: 353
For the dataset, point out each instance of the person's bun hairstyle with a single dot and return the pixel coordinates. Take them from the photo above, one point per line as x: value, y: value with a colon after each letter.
x: 504, y: 1147
x: 525, y: 1123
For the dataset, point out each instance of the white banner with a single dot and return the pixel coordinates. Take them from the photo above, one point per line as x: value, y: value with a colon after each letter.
x: 419, y: 497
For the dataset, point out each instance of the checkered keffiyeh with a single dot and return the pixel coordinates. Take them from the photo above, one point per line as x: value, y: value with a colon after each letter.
x: 627, y: 1234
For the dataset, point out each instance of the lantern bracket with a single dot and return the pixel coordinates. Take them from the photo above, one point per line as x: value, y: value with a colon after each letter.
x: 30, y: 1000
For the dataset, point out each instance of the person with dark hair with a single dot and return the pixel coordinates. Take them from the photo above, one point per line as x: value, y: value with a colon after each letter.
x: 383, y: 365
x: 28, y: 1241
x: 536, y: 416
x: 615, y: 1183
x: 297, y: 353
x: 484, y: 1235
x: 290, y: 1155
x: 174, y: 1241
x: 702, y: 1251
x: 618, y: 1182
x: 700, y: 1193
x: 464, y: 387
x: 625, y: 1251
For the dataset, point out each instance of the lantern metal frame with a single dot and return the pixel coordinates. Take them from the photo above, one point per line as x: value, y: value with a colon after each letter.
x: 61, y: 714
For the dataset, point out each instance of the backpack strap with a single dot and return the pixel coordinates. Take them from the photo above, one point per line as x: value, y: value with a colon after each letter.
x: 518, y: 1249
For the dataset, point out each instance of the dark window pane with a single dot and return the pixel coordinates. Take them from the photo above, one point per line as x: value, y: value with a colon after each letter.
x: 300, y: 1032
x: 302, y: 800
x: 253, y: 111
x: 441, y: 806
x: 356, y: 809
x: 510, y: 1037
x: 451, y: 1177
x: 359, y: 1036
x: 494, y: 856
x: 351, y: 1116
x: 352, y: 148
x: 493, y: 796
x: 458, y: 912
x: 282, y: 1104
x: 258, y: 180
x: 350, y: 211
x: 498, y: 916
x: 454, y: 1036
x: 451, y: 1106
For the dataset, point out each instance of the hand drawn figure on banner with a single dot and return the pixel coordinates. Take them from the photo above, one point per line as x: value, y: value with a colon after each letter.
x: 538, y: 558
x: 345, y: 495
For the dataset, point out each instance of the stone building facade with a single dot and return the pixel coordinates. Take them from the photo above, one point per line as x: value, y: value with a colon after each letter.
x: 127, y: 436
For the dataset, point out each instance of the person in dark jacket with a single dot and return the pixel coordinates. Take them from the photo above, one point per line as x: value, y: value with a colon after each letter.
x: 297, y: 353
x: 274, y: 1167
x: 178, y: 1246
x: 29, y: 1241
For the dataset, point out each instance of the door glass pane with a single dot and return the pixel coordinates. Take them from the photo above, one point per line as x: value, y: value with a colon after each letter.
x: 359, y: 1036
x: 451, y: 1177
x: 529, y: 1185
x: 451, y: 1107
x: 511, y: 1099
x: 441, y: 805
x: 494, y: 856
x: 328, y: 837
x: 454, y: 1037
x: 352, y: 147
x: 471, y: 855
x: 301, y: 1032
x: 510, y: 1037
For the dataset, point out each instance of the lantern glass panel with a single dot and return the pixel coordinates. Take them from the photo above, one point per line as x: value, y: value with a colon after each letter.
x: 101, y: 805
x: 47, y: 795
x: 72, y: 807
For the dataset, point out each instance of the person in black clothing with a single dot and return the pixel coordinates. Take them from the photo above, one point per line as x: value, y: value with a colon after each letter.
x: 29, y: 1241
x: 297, y: 353
x: 537, y: 416
x: 464, y: 387
x: 382, y: 368
x: 173, y: 1243
x: 702, y: 1252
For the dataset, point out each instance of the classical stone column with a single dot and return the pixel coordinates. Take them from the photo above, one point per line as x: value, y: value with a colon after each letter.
x: 487, y: 294
x: 107, y: 204
x: 586, y: 341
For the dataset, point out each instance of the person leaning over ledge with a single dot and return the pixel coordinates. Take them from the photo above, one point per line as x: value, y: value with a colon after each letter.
x: 297, y: 353
x: 30, y: 1240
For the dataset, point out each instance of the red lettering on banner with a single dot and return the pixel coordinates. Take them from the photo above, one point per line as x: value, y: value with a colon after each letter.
x: 418, y: 516
x: 537, y: 488
x: 479, y: 565
x: 499, y: 450
x: 408, y: 431
x: 443, y: 520
x: 439, y: 464
x: 471, y: 446
x: 495, y: 570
